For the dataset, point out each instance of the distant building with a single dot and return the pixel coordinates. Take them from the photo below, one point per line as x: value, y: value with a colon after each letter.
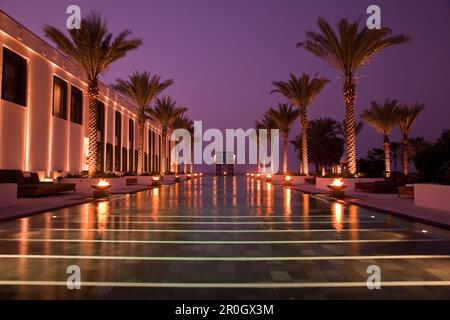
x: 224, y: 164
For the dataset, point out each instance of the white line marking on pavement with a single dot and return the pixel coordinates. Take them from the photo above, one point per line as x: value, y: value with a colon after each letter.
x: 231, y: 242
x: 287, y: 258
x: 227, y: 285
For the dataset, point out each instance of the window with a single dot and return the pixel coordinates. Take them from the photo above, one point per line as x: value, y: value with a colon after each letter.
x: 109, y: 157
x: 131, y: 144
x: 14, y: 80
x: 76, y: 105
x: 59, y: 98
x: 118, y: 140
x: 100, y: 135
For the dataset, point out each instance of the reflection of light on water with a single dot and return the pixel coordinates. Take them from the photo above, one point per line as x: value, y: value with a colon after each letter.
x: 337, y: 210
x: 102, y: 214
x: 287, y: 201
x: 305, y: 201
x: 155, y: 204
x: 234, y: 192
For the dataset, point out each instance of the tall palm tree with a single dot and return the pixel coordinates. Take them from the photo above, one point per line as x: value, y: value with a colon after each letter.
x: 284, y: 117
x: 348, y: 49
x: 183, y: 122
x: 301, y: 92
x: 94, y: 49
x: 325, y: 146
x: 142, y: 88
x: 408, y: 115
x: 395, y: 147
x: 342, y: 128
x: 165, y: 112
x: 266, y: 123
x: 384, y: 118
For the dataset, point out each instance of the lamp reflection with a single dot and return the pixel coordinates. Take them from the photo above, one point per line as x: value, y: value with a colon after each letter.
x: 102, y: 214
x: 337, y: 210
x: 287, y: 202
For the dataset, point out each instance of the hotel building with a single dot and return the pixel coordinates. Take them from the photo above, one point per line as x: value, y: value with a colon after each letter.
x: 44, y: 112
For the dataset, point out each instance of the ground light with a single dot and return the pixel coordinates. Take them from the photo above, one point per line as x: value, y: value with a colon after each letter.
x: 337, y: 187
x: 156, y: 181
x: 101, y: 189
x: 258, y: 176
x: 287, y: 181
x: 268, y: 178
x: 195, y: 175
x: 188, y: 176
x: 177, y: 179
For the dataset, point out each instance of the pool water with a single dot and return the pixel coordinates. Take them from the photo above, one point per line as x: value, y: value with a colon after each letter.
x: 232, y: 238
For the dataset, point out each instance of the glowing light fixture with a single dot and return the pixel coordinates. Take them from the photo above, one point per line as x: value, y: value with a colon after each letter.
x: 101, y: 189
x: 287, y: 181
x: 156, y: 181
x: 337, y: 187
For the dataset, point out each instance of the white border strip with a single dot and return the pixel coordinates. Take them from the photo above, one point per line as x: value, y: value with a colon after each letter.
x: 218, y: 230
x: 220, y: 222
x: 226, y: 242
x: 287, y: 258
x: 243, y: 285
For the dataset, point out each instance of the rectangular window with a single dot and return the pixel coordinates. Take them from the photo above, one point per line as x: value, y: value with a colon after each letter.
x: 76, y: 105
x: 118, y: 140
x: 59, y: 98
x: 109, y: 157
x: 100, y: 136
x: 124, y: 159
x: 131, y: 145
x: 14, y: 80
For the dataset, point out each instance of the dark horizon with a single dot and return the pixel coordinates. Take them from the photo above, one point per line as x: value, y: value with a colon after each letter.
x: 223, y: 56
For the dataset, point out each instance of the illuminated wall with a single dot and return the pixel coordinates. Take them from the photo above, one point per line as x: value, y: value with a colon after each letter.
x: 31, y: 138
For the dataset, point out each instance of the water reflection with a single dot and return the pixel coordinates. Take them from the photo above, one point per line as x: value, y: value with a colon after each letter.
x: 337, y: 211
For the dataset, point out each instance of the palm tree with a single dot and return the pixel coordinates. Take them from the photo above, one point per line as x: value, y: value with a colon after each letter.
x: 348, y: 50
x: 342, y: 128
x: 142, y: 88
x: 266, y: 123
x: 395, y: 147
x: 284, y: 117
x: 325, y: 146
x: 183, y: 122
x: 416, y: 145
x: 94, y: 49
x: 408, y: 115
x: 165, y: 112
x: 301, y: 92
x: 384, y: 118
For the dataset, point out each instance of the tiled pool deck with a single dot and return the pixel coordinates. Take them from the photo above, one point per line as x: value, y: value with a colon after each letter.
x: 221, y: 238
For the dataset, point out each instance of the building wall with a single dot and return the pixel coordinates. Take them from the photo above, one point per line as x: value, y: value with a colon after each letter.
x: 31, y: 138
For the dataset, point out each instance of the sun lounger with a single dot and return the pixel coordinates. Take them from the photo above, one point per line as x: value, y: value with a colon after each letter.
x: 32, y: 187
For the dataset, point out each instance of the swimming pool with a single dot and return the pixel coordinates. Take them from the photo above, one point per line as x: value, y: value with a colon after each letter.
x: 222, y: 238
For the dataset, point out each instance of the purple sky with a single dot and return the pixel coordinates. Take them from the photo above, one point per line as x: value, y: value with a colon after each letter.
x: 223, y: 55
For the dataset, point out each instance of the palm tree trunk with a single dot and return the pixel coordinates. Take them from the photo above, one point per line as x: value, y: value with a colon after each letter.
x: 140, y: 159
x: 163, y: 160
x: 349, y: 99
x: 92, y: 127
x: 387, y: 156
x: 285, y: 161
x: 405, y: 154
x: 304, y: 126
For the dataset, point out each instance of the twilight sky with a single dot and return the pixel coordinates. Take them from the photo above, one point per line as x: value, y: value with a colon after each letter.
x: 223, y: 55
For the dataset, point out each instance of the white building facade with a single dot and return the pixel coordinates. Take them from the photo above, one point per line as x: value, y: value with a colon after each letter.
x: 44, y: 112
